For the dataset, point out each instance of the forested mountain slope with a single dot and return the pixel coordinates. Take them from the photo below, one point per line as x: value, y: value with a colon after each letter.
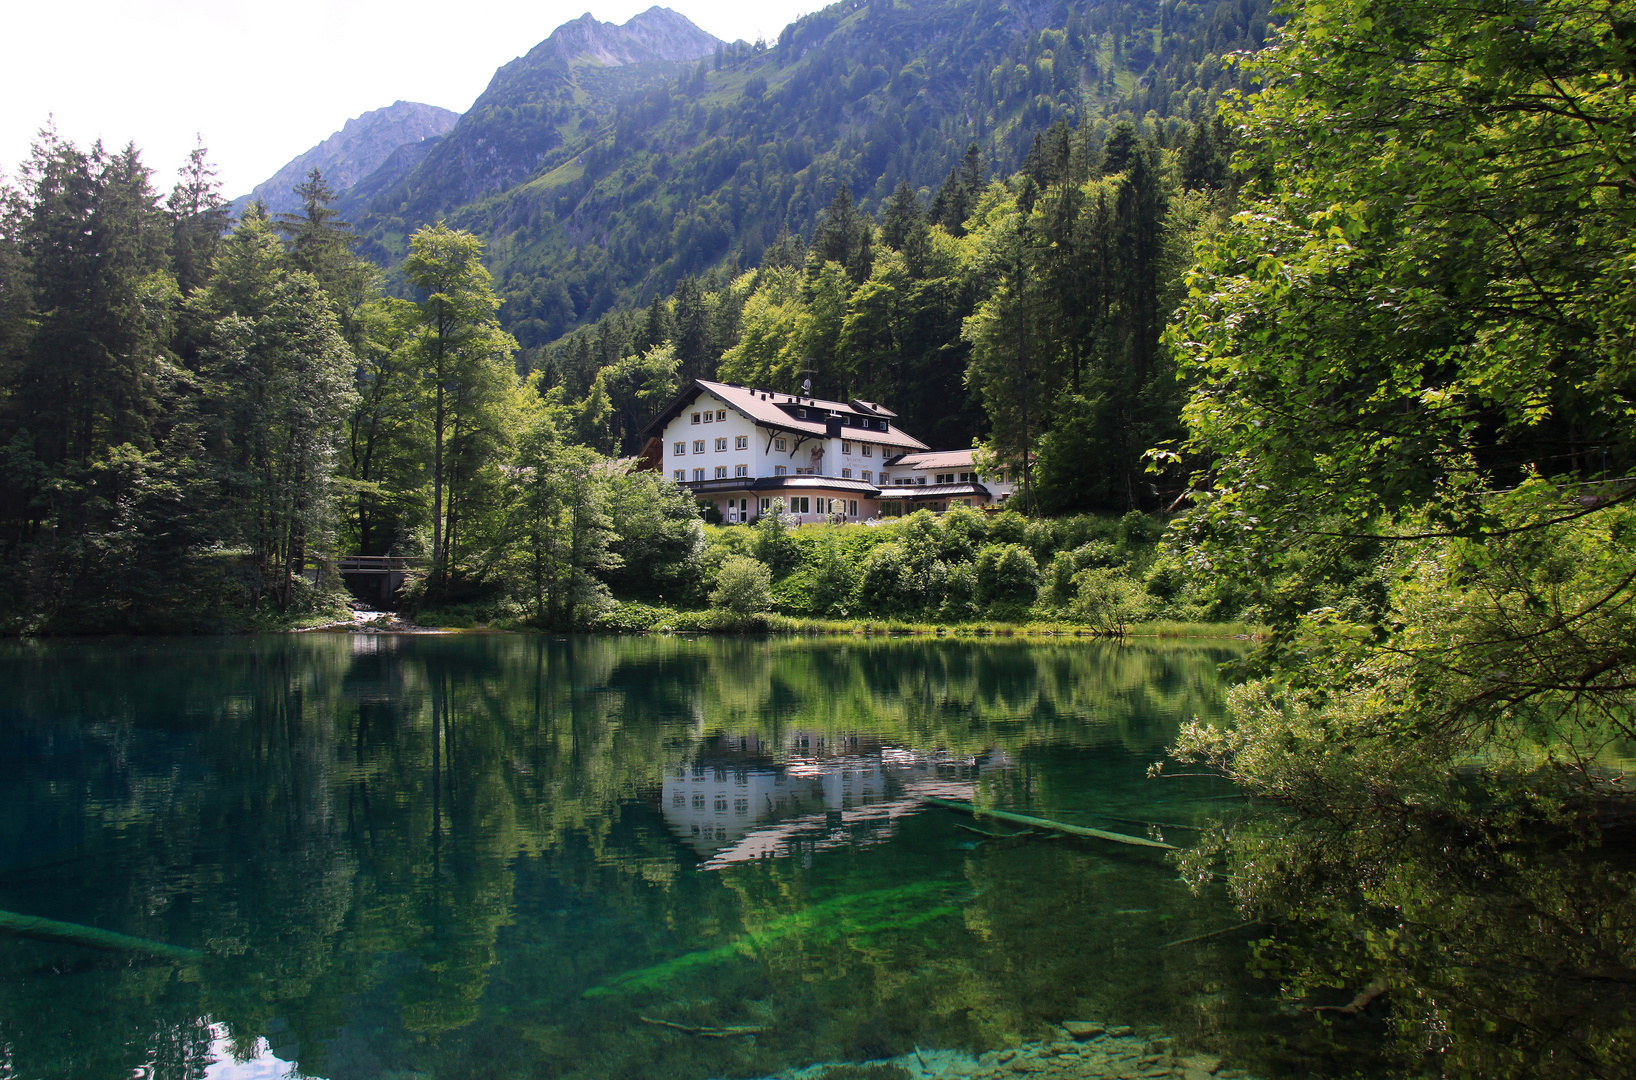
x: 597, y: 187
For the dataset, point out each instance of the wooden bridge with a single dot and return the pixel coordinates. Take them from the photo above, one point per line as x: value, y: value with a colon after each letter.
x: 376, y: 578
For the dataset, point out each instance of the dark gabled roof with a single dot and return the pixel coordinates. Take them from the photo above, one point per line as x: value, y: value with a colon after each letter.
x: 769, y: 410
x: 808, y: 483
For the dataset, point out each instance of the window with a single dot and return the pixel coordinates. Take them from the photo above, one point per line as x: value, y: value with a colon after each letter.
x: 779, y: 470
x: 742, y: 442
x: 721, y: 414
x: 945, y: 478
x: 741, y: 806
x: 709, y: 416
x: 741, y: 470
x: 721, y: 805
x: 801, y: 505
x: 695, y: 418
x: 866, y: 476
x: 698, y: 802
x: 778, y: 444
x: 846, y: 447
x: 679, y: 475
x: 920, y: 480
x: 802, y: 413
x: 698, y: 446
x: 967, y: 478
x: 721, y: 446
x: 721, y: 472
x: 678, y: 799
x: 698, y: 474
x: 853, y: 507
x: 885, y: 478
x: 679, y: 449
x: 846, y: 474
x: 883, y: 425
x: 766, y: 505
x: 868, y: 451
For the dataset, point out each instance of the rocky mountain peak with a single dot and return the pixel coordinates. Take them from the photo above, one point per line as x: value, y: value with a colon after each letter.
x: 656, y: 34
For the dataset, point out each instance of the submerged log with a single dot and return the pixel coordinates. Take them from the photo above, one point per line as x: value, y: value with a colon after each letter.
x: 1053, y: 826
x: 28, y: 926
x: 706, y: 1032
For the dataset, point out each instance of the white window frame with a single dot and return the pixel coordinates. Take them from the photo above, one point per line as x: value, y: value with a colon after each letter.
x: 721, y: 472
x: 721, y: 446
x: 766, y: 505
x: 779, y: 470
x: 866, y: 475
x: 698, y: 474
x: 846, y: 474
x: 741, y: 442
x: 721, y: 414
x: 846, y: 447
x: 741, y: 470
x: 679, y: 475
x: 698, y: 446
x: 778, y: 444
x: 695, y: 418
x: 679, y: 448
x: 868, y: 451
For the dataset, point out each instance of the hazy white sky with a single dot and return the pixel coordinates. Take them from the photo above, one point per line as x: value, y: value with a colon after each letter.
x: 263, y: 82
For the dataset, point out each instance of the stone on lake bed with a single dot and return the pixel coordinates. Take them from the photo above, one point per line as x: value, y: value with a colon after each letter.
x: 1083, y: 1029
x: 1204, y: 1063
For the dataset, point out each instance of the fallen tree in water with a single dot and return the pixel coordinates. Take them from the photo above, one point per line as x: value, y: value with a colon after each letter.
x: 1046, y: 823
x: 29, y: 926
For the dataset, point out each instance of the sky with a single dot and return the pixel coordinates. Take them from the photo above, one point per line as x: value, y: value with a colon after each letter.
x: 261, y: 83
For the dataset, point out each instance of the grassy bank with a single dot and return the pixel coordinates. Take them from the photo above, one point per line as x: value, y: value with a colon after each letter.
x: 639, y: 618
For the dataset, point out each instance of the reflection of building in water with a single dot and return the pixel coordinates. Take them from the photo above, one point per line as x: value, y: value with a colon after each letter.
x: 742, y: 799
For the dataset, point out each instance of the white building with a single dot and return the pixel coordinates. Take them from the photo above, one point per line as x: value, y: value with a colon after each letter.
x: 740, y: 448
x: 731, y: 805
x: 941, y: 480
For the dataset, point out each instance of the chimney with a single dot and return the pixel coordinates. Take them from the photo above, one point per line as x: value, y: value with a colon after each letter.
x: 832, y: 426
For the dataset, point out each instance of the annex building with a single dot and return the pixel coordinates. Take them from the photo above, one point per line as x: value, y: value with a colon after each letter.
x: 739, y: 448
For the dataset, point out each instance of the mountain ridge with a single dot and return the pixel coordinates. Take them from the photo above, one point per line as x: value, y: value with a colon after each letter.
x: 346, y: 157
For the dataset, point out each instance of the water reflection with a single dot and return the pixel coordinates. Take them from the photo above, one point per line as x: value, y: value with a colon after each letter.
x: 739, y: 798
x: 422, y: 856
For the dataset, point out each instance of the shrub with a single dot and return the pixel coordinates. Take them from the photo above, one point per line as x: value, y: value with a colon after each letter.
x: 1109, y: 600
x: 960, y: 533
x: 834, y: 578
x: 959, y: 594
x: 774, y: 545
x: 1007, y: 574
x: 744, y: 586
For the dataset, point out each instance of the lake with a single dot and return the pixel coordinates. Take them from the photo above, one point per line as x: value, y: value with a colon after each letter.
x: 497, y: 855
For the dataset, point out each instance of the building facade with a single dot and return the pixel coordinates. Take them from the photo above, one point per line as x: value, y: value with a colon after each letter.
x: 740, y: 448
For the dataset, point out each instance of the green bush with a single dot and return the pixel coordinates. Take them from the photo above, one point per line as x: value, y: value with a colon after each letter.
x: 1007, y: 574
x: 959, y: 594
x: 744, y: 587
x: 1110, y: 600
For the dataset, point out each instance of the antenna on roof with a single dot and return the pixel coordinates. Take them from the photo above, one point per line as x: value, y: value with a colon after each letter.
x: 806, y: 387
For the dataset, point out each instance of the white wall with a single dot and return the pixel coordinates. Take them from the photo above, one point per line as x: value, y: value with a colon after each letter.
x: 761, y: 457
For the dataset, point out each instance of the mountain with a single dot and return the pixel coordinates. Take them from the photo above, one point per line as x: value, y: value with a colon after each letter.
x: 561, y: 89
x: 598, y: 185
x: 362, y: 146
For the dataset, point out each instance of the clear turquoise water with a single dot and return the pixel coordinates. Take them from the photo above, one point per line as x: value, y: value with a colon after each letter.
x: 497, y: 856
